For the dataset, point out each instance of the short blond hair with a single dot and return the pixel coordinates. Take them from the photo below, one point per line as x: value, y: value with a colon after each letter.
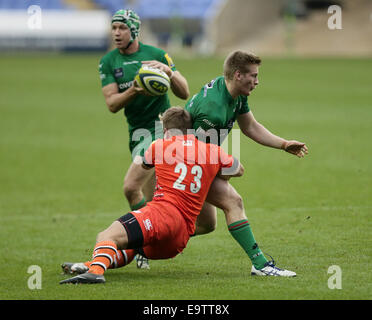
x: 176, y: 118
x: 239, y: 61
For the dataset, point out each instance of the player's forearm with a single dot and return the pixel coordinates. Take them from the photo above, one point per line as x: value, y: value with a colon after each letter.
x: 227, y: 177
x: 261, y: 135
x: 179, y: 86
x: 118, y: 101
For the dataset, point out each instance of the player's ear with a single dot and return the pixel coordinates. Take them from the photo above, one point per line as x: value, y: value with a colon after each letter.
x: 237, y: 75
x: 166, y: 135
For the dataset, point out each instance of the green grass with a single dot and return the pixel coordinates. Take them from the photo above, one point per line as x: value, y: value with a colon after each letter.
x: 63, y: 157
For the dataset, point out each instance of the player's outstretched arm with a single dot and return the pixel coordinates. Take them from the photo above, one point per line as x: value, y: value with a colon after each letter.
x: 257, y: 132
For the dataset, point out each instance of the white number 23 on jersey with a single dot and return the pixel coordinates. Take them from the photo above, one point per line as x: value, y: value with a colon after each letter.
x: 196, y: 171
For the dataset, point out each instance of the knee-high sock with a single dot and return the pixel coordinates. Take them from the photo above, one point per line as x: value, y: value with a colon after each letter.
x: 121, y: 259
x: 103, y: 256
x: 242, y: 233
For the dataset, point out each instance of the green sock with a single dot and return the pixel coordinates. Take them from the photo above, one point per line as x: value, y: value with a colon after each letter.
x: 242, y: 233
x: 139, y: 205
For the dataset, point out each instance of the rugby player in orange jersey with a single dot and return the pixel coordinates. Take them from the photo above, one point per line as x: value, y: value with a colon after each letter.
x: 185, y: 168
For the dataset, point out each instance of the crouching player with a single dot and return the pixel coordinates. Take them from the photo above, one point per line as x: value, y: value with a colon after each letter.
x: 184, y: 169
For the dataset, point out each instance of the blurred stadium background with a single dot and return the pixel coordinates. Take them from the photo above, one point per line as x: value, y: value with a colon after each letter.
x: 270, y: 27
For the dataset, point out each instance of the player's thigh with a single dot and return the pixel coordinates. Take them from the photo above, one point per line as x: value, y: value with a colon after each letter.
x: 149, y: 186
x: 115, y: 232
x: 136, y: 176
x: 223, y: 195
x: 207, y: 216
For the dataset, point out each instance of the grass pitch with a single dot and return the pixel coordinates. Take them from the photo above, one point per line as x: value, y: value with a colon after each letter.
x: 63, y: 157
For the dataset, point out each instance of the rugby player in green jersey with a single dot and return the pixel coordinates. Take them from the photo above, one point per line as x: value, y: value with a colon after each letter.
x: 117, y: 71
x: 214, y: 110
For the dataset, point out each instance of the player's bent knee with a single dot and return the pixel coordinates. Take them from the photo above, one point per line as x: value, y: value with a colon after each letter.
x: 232, y: 204
x: 114, y: 233
x: 105, y: 236
x: 100, y: 236
x: 234, y: 199
x: 130, y: 190
x: 239, y: 201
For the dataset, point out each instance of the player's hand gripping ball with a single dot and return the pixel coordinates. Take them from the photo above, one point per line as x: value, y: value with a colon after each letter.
x: 154, y: 81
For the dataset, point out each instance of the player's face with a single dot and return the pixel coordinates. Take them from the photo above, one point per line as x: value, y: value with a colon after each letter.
x: 120, y: 35
x: 247, y: 82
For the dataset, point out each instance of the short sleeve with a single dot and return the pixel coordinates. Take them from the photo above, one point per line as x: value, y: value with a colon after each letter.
x: 168, y: 61
x: 105, y: 73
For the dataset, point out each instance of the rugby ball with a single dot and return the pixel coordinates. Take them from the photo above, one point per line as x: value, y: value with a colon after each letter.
x: 153, y: 81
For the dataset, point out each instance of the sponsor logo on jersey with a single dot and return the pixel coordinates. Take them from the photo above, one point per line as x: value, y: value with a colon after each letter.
x: 187, y: 143
x: 147, y: 224
x: 118, y: 73
x: 130, y: 62
x: 209, y: 123
x: 208, y: 86
x: 125, y: 85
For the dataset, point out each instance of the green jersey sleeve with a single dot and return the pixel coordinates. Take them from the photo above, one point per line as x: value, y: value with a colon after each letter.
x: 105, y: 73
x: 166, y: 59
x: 244, y: 105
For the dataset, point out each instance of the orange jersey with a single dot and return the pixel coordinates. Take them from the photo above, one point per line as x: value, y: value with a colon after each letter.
x: 185, y: 168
